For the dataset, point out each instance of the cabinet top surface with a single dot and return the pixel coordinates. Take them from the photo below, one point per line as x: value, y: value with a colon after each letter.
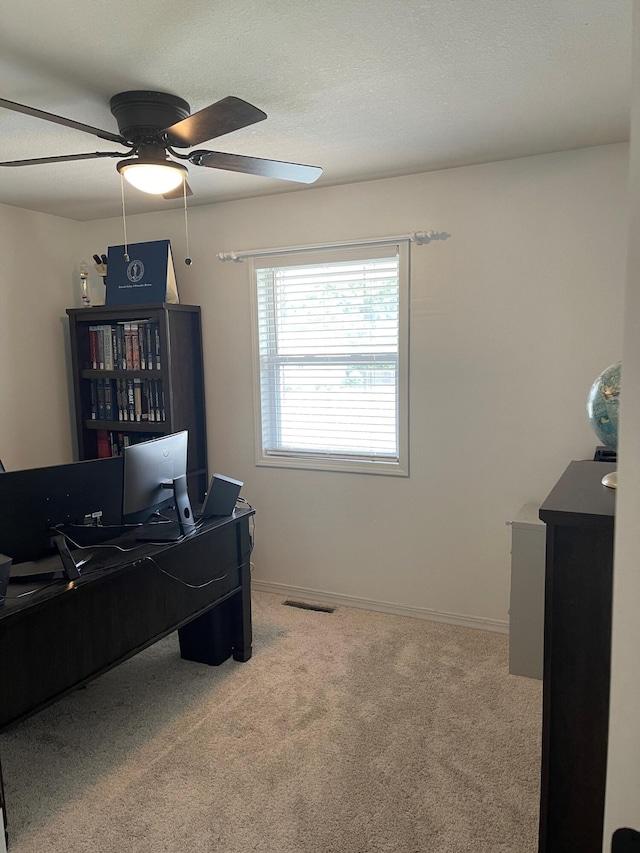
x: 528, y: 518
x: 579, y: 496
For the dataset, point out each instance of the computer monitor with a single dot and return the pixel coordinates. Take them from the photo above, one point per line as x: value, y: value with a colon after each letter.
x: 36, y: 501
x: 155, y: 478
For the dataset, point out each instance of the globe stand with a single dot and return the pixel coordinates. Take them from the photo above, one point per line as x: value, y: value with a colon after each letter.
x: 610, y: 480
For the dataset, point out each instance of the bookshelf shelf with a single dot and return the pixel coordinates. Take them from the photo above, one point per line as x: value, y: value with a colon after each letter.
x: 137, y: 373
x: 90, y: 373
x: 127, y: 426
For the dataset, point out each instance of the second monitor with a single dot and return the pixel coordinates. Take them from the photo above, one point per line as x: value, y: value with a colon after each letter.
x: 155, y: 478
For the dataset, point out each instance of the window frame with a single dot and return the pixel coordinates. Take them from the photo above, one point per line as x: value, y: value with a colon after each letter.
x: 305, y: 460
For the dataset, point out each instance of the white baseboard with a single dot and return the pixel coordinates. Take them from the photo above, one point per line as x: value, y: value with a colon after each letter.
x: 336, y: 599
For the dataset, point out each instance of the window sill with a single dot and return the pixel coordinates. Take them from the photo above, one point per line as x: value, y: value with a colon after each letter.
x: 350, y: 466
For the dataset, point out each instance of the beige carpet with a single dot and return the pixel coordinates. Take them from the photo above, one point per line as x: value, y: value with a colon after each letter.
x: 353, y: 732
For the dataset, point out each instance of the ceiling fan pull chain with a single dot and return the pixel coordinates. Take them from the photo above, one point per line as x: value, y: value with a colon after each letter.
x: 124, y: 218
x: 187, y: 260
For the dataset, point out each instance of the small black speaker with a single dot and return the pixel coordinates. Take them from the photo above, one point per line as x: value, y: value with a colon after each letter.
x: 222, y: 496
x: 5, y: 571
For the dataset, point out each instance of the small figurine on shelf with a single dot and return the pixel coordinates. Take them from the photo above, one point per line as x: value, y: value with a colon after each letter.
x: 84, y: 285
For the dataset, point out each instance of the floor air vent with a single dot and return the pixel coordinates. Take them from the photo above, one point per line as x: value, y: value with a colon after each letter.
x: 303, y: 605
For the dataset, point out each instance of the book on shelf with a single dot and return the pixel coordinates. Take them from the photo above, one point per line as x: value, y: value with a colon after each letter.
x: 156, y: 346
x: 130, y: 345
x: 135, y: 346
x: 156, y: 398
x: 155, y: 401
x: 108, y: 400
x: 112, y: 442
x: 107, y: 350
x: 100, y: 333
x: 120, y: 360
x: 161, y: 408
x: 94, y: 400
x: 93, y: 348
x: 138, y: 400
x: 103, y: 444
x: 150, y: 360
x: 143, y: 274
x: 131, y: 401
x: 100, y: 397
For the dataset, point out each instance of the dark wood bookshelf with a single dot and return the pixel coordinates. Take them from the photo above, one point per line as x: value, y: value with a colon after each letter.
x: 180, y: 377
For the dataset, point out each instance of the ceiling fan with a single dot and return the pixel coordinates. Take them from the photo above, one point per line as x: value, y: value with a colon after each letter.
x: 153, y: 124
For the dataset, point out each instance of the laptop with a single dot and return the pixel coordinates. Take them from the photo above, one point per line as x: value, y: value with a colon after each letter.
x: 221, y: 497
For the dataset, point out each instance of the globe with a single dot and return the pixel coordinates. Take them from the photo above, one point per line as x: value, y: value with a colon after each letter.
x: 602, y: 405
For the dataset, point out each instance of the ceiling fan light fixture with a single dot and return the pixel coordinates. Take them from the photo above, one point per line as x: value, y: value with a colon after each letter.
x: 152, y: 176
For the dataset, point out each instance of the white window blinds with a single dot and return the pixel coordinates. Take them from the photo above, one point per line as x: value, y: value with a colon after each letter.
x: 330, y: 356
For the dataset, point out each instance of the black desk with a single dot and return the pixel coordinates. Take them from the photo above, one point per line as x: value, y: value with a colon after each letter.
x: 579, y: 514
x: 68, y: 633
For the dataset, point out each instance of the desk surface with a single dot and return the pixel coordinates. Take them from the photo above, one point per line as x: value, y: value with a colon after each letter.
x: 106, y: 557
x: 68, y: 632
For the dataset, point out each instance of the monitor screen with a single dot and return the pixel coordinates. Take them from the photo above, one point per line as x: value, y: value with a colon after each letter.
x: 150, y: 469
x: 36, y: 500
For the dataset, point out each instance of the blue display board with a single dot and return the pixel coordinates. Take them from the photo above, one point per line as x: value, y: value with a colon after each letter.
x: 143, y: 275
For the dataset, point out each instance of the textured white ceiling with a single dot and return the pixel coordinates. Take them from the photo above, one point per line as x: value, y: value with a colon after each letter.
x: 363, y: 89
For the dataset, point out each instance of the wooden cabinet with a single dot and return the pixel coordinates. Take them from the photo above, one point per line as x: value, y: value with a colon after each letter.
x: 579, y: 514
x: 123, y: 395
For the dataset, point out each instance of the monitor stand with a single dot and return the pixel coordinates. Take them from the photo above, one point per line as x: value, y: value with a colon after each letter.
x: 70, y: 569
x: 186, y: 523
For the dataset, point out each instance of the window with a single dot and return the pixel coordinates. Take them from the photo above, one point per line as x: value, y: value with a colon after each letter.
x: 331, y: 333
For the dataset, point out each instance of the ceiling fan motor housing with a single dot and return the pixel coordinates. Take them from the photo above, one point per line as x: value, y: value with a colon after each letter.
x: 152, y: 124
x: 141, y: 114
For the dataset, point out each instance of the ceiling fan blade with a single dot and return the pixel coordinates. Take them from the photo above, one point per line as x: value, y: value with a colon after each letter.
x: 66, y: 122
x: 224, y: 116
x: 65, y: 158
x: 256, y: 166
x: 178, y: 192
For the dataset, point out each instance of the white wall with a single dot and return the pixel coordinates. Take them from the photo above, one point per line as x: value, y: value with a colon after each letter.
x: 36, y: 285
x: 623, y: 776
x: 512, y: 319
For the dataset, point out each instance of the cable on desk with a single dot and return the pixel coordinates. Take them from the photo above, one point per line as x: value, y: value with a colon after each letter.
x: 252, y: 522
x: 119, y: 527
x: 180, y: 580
x: 198, y: 526
x: 101, y: 544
